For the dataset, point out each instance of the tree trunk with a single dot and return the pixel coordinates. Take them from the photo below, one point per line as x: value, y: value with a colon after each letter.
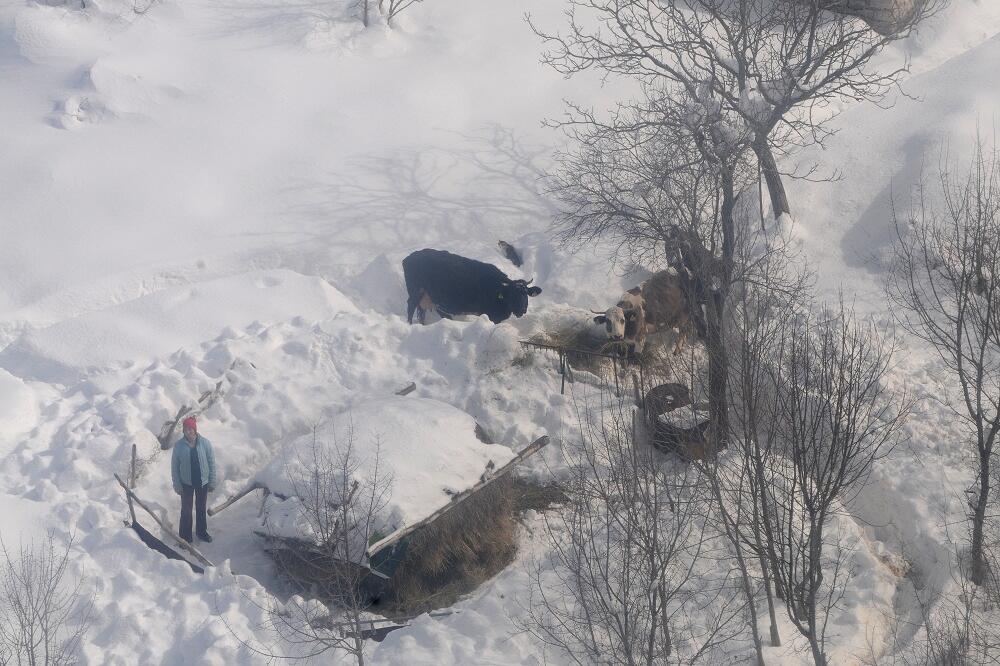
x: 978, y: 518
x: 779, y: 199
x: 768, y: 558
x: 718, y: 364
x: 765, y: 569
x: 732, y: 533
x: 818, y: 657
x: 813, y: 578
x: 718, y: 356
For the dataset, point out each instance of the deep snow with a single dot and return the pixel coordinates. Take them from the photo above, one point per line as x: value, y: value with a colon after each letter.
x: 227, y: 188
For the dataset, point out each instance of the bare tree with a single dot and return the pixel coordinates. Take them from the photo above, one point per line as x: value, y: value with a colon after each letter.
x: 837, y: 419
x: 392, y: 8
x: 764, y: 307
x: 340, y: 496
x: 945, y: 285
x: 956, y: 631
x: 43, y: 615
x: 364, y: 7
x: 626, y: 580
x: 660, y: 180
x: 388, y: 9
x: 776, y: 65
x: 950, y: 629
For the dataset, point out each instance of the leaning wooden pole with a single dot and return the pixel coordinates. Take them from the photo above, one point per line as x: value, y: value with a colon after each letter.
x: 233, y: 498
x: 398, y: 535
x: 131, y: 484
x: 181, y: 542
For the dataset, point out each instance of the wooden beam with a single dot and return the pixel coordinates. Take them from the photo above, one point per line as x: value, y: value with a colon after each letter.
x: 181, y: 542
x: 233, y: 498
x: 398, y: 535
x: 408, y: 389
x: 131, y: 484
x: 297, y: 544
x: 565, y: 350
x: 208, y: 399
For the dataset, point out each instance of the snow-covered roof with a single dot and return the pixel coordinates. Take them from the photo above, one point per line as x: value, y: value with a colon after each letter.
x: 429, y: 448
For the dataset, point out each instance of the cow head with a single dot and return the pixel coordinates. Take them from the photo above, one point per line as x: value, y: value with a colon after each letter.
x: 514, y: 295
x: 619, y: 322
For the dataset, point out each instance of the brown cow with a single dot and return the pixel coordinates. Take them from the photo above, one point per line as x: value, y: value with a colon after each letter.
x: 656, y: 306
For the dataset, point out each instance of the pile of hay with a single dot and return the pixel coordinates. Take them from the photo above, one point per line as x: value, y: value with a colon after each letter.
x: 431, y: 568
x: 464, y: 548
x: 578, y: 341
x: 455, y: 554
x: 429, y: 543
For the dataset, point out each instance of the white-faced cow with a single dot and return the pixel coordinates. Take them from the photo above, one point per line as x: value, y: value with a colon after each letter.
x: 455, y: 285
x: 656, y: 306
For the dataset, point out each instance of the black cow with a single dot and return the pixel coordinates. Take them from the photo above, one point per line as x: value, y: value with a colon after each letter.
x: 455, y: 285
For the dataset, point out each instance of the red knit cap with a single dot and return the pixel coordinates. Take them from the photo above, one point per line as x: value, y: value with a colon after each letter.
x: 190, y: 422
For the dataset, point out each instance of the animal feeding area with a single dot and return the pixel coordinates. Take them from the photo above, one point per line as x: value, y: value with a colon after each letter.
x: 401, y: 506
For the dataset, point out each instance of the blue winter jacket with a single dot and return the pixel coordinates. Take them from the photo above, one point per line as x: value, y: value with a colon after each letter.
x: 180, y: 464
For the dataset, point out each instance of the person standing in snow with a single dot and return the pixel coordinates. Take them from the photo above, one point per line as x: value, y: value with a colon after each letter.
x: 192, y: 469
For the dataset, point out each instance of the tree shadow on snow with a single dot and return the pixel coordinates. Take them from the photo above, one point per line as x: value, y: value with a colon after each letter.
x: 280, y: 21
x: 866, y: 243
x: 489, y: 185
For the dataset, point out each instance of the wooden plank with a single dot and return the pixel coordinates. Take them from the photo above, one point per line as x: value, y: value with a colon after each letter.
x: 408, y: 389
x: 233, y: 498
x: 208, y: 399
x: 166, y: 436
x: 566, y: 350
x: 131, y: 484
x: 398, y: 535
x: 181, y: 542
x: 297, y: 544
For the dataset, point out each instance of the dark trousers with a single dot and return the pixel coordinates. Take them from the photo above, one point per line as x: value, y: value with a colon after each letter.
x: 200, y: 497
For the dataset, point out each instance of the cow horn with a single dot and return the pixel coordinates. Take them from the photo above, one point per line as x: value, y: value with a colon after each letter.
x: 529, y: 282
x: 597, y: 312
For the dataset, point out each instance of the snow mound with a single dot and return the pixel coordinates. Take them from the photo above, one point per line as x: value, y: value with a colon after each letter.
x: 159, y: 323
x: 18, y: 410
x: 17, y: 404
x: 381, y: 285
x: 21, y: 521
x: 429, y: 449
x: 112, y: 89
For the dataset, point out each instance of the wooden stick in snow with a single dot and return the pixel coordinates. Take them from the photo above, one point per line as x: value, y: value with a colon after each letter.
x: 233, y: 498
x: 207, y: 399
x: 407, y: 390
x: 183, y: 544
x: 131, y: 484
x: 398, y: 535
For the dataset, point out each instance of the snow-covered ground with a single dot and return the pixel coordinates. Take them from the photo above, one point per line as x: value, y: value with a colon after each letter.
x: 226, y: 188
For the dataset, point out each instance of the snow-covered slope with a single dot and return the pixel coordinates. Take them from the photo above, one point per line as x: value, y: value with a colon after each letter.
x: 226, y: 188
x: 880, y: 155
